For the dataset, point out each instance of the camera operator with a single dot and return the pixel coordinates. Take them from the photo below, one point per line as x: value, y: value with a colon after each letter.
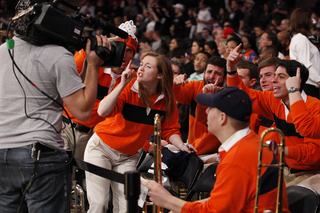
x: 34, y: 176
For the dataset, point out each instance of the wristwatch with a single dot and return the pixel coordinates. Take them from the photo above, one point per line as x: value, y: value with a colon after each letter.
x: 293, y: 89
x: 232, y: 72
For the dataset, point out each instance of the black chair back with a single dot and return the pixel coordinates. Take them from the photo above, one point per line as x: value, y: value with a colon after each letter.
x: 302, y: 199
x: 205, y: 182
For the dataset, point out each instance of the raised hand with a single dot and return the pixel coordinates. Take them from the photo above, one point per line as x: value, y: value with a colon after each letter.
x: 180, y: 79
x: 294, y: 81
x: 211, y: 88
x: 127, y: 75
x: 233, y: 58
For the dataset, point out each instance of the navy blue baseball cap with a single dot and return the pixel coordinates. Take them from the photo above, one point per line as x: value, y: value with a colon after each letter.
x: 233, y: 101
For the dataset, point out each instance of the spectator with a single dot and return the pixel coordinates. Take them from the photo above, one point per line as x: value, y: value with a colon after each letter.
x: 143, y: 26
x: 285, y: 25
x: 227, y: 118
x: 183, y: 109
x: 272, y: 28
x: 206, y: 34
x: 258, y: 31
x: 88, y: 8
x: 268, y: 52
x: 144, y: 45
x: 269, y: 38
x: 204, y: 18
x: 101, y: 9
x: 211, y: 47
x: 284, y: 40
x: 176, y: 42
x: 197, y: 46
x: 302, y: 50
x: 245, y: 31
x: 222, y: 48
x: 158, y: 42
x: 248, y: 72
x: 178, y: 27
x: 180, y: 55
x: 226, y: 32
x: 236, y: 15
x: 249, y: 48
x: 251, y: 17
x: 217, y: 34
x: 108, y: 79
x: 232, y: 43
x: 266, y: 15
x: 162, y: 18
x: 280, y: 12
x: 222, y: 16
x: 186, y: 92
x: 200, y: 62
x: 130, y: 10
x: 301, y: 152
x: 128, y: 120
x: 115, y: 10
x: 191, y: 23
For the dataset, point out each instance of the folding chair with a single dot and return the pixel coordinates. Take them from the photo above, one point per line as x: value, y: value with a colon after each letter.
x: 302, y: 199
x: 205, y: 182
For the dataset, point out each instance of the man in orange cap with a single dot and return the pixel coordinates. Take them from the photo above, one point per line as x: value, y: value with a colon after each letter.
x: 108, y: 79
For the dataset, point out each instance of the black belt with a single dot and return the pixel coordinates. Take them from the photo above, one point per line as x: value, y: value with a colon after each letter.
x: 78, y: 127
x: 39, y: 147
x: 44, y: 148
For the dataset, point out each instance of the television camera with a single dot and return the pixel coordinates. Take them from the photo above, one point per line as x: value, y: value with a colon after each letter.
x: 47, y: 22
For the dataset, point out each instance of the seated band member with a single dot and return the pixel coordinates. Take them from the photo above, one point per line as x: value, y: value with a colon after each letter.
x: 229, y: 111
x: 302, y: 153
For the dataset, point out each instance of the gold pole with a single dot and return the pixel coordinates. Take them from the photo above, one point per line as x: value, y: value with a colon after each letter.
x: 272, y: 146
x: 157, y: 157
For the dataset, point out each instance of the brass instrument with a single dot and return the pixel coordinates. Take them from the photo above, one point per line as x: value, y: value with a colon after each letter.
x: 157, y: 157
x: 77, y: 198
x: 272, y: 145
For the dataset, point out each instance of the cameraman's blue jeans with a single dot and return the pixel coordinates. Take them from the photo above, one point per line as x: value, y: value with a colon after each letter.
x: 48, y: 193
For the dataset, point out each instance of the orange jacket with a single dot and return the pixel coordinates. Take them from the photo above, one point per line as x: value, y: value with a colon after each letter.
x: 103, y: 88
x: 303, y: 151
x: 198, y: 135
x: 306, y: 123
x: 236, y: 181
x: 129, y: 125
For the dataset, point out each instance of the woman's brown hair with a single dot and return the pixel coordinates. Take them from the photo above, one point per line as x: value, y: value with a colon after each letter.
x: 165, y: 83
x: 300, y: 21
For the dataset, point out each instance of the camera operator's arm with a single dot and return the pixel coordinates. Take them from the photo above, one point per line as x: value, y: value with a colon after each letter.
x: 81, y: 102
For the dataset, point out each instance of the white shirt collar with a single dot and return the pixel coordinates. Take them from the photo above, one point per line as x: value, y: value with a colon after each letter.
x: 304, y: 98
x: 114, y: 77
x: 233, y: 139
x: 135, y: 88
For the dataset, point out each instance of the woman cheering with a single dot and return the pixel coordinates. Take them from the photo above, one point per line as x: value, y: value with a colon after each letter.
x: 129, y: 110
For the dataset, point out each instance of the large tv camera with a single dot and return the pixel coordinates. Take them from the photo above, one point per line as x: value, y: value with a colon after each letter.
x: 48, y: 23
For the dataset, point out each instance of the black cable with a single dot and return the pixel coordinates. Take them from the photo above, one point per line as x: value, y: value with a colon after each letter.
x: 59, y: 104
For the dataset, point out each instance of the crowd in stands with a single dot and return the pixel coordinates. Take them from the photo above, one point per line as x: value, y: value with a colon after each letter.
x: 263, y: 27
x: 209, y: 45
x: 188, y: 20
